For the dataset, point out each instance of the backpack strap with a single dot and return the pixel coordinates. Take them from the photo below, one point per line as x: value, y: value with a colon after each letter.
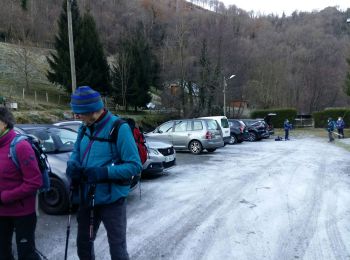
x: 15, y: 141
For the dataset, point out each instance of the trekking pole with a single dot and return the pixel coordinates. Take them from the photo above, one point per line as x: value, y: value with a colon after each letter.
x: 41, y: 254
x: 91, y: 227
x: 68, y: 222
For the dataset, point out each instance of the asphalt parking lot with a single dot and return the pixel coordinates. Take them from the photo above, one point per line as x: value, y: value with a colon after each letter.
x: 261, y: 200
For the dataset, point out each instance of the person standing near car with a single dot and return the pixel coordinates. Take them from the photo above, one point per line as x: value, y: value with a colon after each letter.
x: 102, y: 171
x: 330, y: 129
x: 18, y: 187
x: 340, y: 126
x: 287, y: 126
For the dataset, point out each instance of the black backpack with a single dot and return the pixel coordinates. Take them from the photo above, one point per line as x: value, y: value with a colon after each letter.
x: 39, y: 154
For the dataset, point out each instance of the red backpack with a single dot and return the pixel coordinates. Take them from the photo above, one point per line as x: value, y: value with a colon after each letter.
x: 140, y: 142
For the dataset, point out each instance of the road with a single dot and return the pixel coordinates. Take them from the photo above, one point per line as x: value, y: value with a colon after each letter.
x: 261, y: 200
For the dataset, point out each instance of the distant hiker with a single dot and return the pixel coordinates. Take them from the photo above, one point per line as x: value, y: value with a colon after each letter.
x: 340, y: 124
x: 330, y: 129
x: 287, y: 126
x: 102, y: 171
x: 18, y: 187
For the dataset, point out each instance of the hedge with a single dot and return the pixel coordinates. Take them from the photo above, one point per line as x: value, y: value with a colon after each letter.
x: 320, y: 118
x: 278, y: 119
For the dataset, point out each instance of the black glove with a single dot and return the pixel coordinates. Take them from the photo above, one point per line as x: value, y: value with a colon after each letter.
x: 96, y: 174
x: 75, y: 172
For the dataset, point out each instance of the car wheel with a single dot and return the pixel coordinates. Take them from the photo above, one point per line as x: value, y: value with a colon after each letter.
x: 195, y: 147
x: 56, y: 200
x: 210, y: 150
x: 233, y: 139
x: 252, y: 137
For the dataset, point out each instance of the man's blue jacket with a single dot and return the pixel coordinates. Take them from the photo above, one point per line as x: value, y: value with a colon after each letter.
x: 121, y: 158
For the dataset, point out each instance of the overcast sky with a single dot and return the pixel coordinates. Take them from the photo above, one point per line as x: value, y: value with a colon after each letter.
x: 288, y: 6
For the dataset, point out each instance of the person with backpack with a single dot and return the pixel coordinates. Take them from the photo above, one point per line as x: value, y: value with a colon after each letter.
x: 330, y: 129
x: 101, y: 168
x: 340, y: 124
x: 18, y: 188
x: 286, y: 126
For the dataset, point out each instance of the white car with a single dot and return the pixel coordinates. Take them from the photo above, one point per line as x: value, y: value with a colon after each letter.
x: 161, y: 155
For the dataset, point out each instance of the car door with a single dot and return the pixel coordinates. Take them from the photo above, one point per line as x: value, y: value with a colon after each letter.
x: 181, y: 133
x: 163, y: 132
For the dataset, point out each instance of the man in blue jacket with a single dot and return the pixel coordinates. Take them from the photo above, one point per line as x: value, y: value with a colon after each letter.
x: 102, y: 171
x: 287, y: 126
x: 340, y: 126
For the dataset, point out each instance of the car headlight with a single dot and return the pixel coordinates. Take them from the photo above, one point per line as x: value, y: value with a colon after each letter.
x: 153, y: 151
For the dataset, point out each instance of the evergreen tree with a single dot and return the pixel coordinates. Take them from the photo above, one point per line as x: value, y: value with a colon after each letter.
x: 347, y: 80
x: 59, y: 61
x: 135, y: 72
x: 92, y: 67
x: 90, y: 62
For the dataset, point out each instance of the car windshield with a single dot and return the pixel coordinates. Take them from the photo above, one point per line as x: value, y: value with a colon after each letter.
x: 55, y: 140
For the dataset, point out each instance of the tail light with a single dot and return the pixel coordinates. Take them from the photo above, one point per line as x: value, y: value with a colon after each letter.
x: 208, y: 135
x: 241, y: 128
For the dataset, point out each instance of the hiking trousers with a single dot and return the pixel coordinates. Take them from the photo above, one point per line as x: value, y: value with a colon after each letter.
x: 24, y: 227
x: 113, y: 217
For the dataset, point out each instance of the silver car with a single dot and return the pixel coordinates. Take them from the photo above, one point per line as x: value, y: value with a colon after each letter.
x: 161, y: 155
x: 194, y: 135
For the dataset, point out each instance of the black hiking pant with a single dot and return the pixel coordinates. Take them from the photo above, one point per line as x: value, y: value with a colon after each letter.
x: 113, y: 217
x: 341, y: 133
x: 24, y: 227
x: 286, y: 134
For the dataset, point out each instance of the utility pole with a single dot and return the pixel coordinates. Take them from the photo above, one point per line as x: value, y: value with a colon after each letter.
x: 224, y: 91
x: 71, y: 45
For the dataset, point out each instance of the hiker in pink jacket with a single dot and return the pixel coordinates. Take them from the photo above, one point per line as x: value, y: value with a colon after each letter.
x: 18, y: 189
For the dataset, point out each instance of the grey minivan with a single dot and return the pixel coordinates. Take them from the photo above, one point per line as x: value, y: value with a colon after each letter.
x: 194, y: 135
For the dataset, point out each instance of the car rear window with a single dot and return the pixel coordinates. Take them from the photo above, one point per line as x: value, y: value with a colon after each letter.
x: 197, y: 125
x: 212, y: 125
x: 224, y: 123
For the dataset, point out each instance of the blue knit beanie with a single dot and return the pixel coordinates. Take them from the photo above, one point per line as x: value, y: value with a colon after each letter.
x: 86, y: 100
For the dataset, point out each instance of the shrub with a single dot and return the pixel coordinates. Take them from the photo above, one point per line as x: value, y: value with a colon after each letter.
x: 278, y: 119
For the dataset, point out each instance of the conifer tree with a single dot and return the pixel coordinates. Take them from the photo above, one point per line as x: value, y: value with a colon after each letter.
x: 92, y: 67
x: 90, y: 62
x: 59, y: 62
x: 347, y: 80
x: 136, y: 70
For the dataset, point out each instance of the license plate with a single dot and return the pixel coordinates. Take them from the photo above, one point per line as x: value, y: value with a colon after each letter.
x: 169, y: 158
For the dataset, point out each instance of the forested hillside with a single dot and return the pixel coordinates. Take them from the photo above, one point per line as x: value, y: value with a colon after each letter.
x: 297, y: 61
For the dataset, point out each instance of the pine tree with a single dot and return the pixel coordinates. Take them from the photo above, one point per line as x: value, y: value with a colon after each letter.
x: 136, y: 70
x: 347, y: 80
x: 59, y: 61
x: 92, y: 67
x: 90, y: 62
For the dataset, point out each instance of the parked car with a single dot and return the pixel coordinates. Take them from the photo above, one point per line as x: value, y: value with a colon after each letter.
x: 72, y: 124
x: 225, y: 128
x: 194, y: 135
x: 238, y: 131
x: 257, y: 129
x: 57, y: 143
x: 161, y: 155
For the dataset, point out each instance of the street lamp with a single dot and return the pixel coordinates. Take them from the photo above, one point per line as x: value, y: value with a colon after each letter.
x: 224, y: 91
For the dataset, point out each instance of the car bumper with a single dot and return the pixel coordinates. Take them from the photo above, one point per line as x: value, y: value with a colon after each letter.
x: 210, y: 144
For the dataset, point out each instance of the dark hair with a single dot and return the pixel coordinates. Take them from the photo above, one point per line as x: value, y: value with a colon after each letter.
x: 7, y: 117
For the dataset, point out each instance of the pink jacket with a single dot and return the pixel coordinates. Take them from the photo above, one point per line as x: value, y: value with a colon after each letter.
x: 18, y: 187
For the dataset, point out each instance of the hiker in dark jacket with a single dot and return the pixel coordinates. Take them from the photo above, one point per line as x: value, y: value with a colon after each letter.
x: 330, y: 129
x: 102, y: 170
x: 18, y: 187
x: 340, y: 124
x: 287, y: 126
